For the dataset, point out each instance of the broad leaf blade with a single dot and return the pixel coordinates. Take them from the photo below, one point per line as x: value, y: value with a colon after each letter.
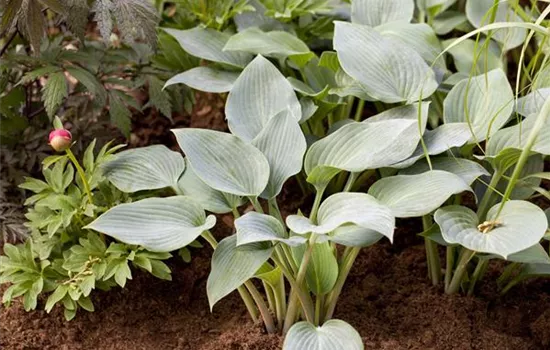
x: 232, y: 266
x: 224, y: 162
x: 205, y: 79
x: 519, y: 226
x: 375, y: 12
x: 332, y: 335
x: 271, y: 44
x: 417, y: 195
x: 158, y: 224
x: 146, y: 168
x: 254, y: 227
x: 466, y: 169
x: 260, y: 93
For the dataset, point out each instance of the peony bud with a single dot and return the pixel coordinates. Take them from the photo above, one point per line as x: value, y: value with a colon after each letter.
x: 60, y: 139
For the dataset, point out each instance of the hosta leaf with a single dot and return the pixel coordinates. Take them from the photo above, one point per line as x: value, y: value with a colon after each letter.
x: 259, y: 93
x: 342, y: 208
x: 224, y: 162
x: 532, y: 255
x: 532, y: 103
x: 388, y: 71
x: 205, y: 79
x: 146, y: 168
x: 485, y: 102
x: 254, y: 227
x: 322, y: 270
x: 208, y: 44
x: 379, y: 141
x: 418, y: 36
x: 354, y: 236
x: 157, y: 224
x: 210, y: 199
x: 417, y: 195
x: 332, y: 335
x: 519, y: 226
x: 439, y: 140
x: 447, y: 21
x: 374, y: 12
x: 516, y: 136
x: 233, y: 265
x: 466, y: 169
x: 479, y: 13
x: 272, y: 44
x: 54, y: 92
x: 284, y: 145
x: 466, y: 55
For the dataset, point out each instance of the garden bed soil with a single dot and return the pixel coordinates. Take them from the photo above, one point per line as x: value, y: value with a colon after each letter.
x: 388, y: 297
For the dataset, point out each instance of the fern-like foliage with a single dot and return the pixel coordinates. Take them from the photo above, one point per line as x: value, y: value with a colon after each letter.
x: 135, y: 19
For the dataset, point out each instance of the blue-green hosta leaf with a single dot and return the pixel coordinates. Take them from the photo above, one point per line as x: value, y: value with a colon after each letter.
x: 208, y: 44
x: 322, y: 270
x: 146, y: 168
x: 434, y: 6
x: 332, y: 335
x: 255, y: 227
x: 466, y: 53
x: 439, y: 140
x: 260, y: 93
x: 419, y: 36
x: 466, y: 169
x: 532, y: 103
x: 532, y: 255
x: 389, y: 71
x: 519, y: 226
x: 233, y: 265
x: 525, y: 188
x: 479, y: 13
x: 447, y: 21
x: 257, y: 18
x: 272, y: 44
x: 211, y: 200
x: 205, y: 79
x: 516, y: 136
x: 354, y: 236
x: 360, y: 209
x: 485, y: 102
x: 158, y: 224
x: 379, y: 141
x: 283, y: 144
x: 375, y: 12
x: 224, y: 162
x: 417, y: 195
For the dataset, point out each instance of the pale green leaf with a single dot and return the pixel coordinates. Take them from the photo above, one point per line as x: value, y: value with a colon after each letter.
x: 322, y: 270
x: 532, y: 103
x: 417, y: 195
x: 332, y: 335
x: 272, y: 44
x: 254, y: 227
x: 375, y: 12
x: 466, y: 169
x: 466, y: 55
x: 158, y: 224
x: 519, y: 226
x: 205, y: 79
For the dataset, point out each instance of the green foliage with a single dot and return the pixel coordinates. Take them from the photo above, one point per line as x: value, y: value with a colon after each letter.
x: 61, y: 259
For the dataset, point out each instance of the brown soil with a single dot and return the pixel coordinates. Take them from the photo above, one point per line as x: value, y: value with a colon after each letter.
x: 387, y: 298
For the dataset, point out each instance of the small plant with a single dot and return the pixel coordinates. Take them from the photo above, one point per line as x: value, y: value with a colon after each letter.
x: 60, y: 258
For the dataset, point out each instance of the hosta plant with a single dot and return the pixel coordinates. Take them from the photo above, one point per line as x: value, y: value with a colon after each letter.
x: 61, y: 259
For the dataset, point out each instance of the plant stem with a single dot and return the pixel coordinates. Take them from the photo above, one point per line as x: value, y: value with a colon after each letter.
x: 489, y: 197
x: 260, y: 303
x: 275, y: 211
x: 280, y: 302
x: 245, y: 296
x: 458, y: 276
x: 270, y: 294
x: 450, y: 252
x: 345, y: 268
x: 478, y: 272
x: 359, y: 110
x: 81, y: 174
x: 319, y: 309
x: 256, y: 204
x: 316, y: 204
x: 508, y: 270
x: 432, y: 255
x: 351, y: 180
x: 293, y: 305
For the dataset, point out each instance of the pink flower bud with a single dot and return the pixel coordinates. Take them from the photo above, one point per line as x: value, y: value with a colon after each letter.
x: 60, y: 139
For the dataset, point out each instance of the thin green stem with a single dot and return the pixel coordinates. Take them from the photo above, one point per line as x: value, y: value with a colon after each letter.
x: 351, y: 180
x: 270, y: 294
x: 478, y: 273
x: 454, y: 286
x: 81, y: 174
x: 449, y: 266
x: 345, y: 268
x: 489, y: 197
x: 359, y: 110
x: 275, y: 211
x: 432, y: 255
x: 293, y: 305
x: 260, y: 303
x: 316, y: 204
x: 319, y: 309
x: 256, y: 204
x: 280, y: 299
x: 507, y: 273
